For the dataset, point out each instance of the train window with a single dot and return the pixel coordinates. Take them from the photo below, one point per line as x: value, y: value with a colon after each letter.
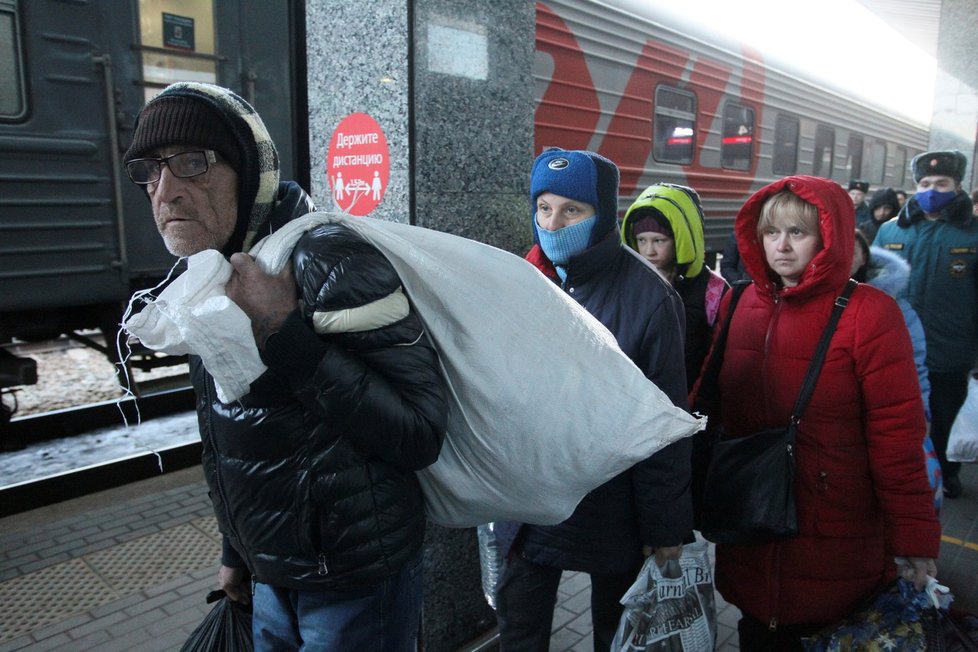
x: 900, y: 167
x: 737, y: 143
x: 784, y: 162
x: 854, y: 157
x: 674, y: 125
x: 13, y: 103
x: 177, y: 42
x: 822, y: 156
x: 877, y: 161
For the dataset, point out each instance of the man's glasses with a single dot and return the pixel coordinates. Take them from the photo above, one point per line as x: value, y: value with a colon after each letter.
x: 144, y: 171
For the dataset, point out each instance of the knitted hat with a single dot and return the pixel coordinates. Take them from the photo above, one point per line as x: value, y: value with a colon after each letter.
x: 582, y: 176
x: 859, y: 184
x: 949, y: 163
x: 179, y: 120
x: 205, y: 115
x: 651, y: 221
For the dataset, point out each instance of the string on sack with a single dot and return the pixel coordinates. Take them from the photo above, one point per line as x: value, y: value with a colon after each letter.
x: 146, y: 296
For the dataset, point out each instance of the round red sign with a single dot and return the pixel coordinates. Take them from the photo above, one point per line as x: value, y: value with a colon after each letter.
x: 358, y: 164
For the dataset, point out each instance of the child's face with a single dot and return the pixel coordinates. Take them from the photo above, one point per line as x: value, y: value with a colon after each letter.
x: 658, y: 249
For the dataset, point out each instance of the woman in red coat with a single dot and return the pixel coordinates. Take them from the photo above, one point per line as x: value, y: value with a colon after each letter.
x: 861, y: 484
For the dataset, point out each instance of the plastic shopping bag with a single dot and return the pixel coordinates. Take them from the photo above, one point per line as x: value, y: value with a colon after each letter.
x: 227, y: 628
x: 896, y: 619
x: 962, y: 443
x: 671, y: 609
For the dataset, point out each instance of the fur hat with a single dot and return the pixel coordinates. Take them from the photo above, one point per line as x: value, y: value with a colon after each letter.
x: 949, y: 163
x: 859, y: 184
x: 205, y: 115
x: 582, y: 176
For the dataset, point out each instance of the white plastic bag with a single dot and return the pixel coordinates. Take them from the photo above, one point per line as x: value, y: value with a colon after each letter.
x: 194, y: 315
x: 962, y: 443
x: 672, y: 609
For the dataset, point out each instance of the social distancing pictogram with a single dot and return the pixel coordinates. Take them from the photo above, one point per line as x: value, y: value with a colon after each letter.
x: 358, y: 164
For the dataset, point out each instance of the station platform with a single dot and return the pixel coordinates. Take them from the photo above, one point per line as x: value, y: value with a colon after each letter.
x: 129, y: 568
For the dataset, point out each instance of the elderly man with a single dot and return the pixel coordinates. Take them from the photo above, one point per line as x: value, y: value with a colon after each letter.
x: 937, y: 233
x: 312, y: 472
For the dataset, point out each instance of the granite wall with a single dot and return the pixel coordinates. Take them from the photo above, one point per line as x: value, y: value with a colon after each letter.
x: 450, y: 84
x: 474, y: 118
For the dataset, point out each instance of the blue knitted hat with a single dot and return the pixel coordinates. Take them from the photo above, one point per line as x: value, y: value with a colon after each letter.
x: 582, y: 176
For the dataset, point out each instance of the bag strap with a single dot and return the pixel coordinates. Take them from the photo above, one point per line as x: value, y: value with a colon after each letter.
x: 819, y: 356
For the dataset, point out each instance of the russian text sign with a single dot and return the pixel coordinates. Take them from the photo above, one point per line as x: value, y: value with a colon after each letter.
x: 358, y: 164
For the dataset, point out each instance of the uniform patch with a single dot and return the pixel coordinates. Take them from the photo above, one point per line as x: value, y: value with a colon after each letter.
x: 964, y: 250
x: 958, y: 268
x: 894, y: 246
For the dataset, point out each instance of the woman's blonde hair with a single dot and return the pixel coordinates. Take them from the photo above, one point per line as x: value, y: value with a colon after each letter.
x: 789, y: 205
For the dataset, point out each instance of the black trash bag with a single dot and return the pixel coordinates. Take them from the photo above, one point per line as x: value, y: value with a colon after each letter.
x: 227, y: 628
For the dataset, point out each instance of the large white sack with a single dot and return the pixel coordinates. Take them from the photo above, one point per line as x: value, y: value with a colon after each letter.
x: 545, y: 407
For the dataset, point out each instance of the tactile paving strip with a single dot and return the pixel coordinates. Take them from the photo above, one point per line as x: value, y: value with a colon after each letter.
x: 154, y: 559
x: 51, y: 594
x: 208, y: 525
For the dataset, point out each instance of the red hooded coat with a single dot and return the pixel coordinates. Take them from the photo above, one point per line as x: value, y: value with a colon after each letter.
x: 861, y: 482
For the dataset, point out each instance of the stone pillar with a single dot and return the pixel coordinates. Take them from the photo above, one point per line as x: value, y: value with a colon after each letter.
x: 955, y: 118
x: 450, y: 84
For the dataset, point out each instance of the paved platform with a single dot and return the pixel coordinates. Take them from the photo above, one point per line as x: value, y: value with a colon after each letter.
x: 129, y: 568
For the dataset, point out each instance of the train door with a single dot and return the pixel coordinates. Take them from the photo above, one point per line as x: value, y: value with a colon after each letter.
x: 75, y: 236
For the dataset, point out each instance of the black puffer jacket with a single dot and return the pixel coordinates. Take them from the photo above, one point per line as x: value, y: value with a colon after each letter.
x: 312, y: 472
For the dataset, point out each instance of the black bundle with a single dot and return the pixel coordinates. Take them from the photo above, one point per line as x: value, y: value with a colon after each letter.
x: 227, y: 628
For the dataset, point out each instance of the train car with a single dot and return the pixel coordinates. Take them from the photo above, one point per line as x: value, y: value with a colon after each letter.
x: 77, y: 237
x: 645, y: 89
x: 667, y: 103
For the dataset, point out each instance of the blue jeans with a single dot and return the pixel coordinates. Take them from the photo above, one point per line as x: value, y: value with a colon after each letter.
x: 384, y: 617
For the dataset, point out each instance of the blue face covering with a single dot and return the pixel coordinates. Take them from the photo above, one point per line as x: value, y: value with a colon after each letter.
x: 562, y: 244
x: 933, y: 201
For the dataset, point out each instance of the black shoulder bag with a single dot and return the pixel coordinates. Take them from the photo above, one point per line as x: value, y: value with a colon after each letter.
x: 749, y: 491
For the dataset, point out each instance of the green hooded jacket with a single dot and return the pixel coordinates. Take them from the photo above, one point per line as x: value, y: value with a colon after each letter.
x: 700, y: 287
